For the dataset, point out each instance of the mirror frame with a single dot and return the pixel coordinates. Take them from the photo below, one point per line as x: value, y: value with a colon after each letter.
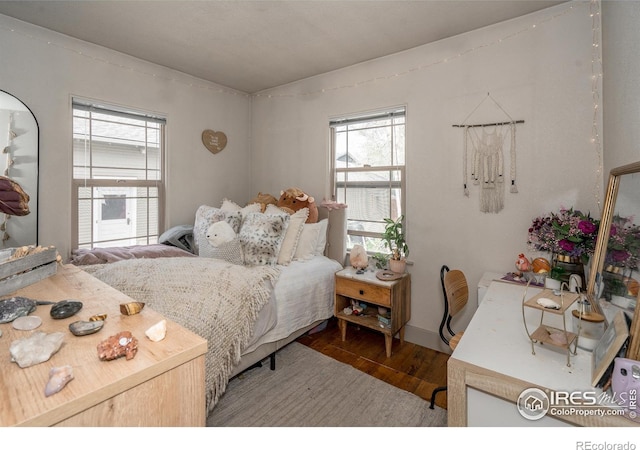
x: 613, y: 186
x: 34, y: 194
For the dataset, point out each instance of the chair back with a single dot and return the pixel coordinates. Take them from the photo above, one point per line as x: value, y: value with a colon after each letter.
x: 456, y: 294
x: 457, y: 291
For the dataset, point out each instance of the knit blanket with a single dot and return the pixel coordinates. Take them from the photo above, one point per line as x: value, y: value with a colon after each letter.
x: 215, y: 299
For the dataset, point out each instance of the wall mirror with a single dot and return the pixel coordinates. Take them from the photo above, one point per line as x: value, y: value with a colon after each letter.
x: 19, y: 141
x: 614, y: 278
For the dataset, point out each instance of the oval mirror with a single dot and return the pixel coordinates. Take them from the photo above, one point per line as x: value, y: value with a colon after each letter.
x: 19, y: 141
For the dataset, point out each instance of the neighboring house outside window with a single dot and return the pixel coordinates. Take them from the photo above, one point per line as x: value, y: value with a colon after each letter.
x: 118, y: 176
x: 368, y: 157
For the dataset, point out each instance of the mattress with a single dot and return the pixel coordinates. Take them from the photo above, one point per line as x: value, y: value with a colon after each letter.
x: 303, y: 294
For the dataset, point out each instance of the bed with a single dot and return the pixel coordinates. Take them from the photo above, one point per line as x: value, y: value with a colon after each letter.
x: 245, y: 311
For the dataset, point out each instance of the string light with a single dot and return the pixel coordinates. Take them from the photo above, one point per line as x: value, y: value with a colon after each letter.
x: 222, y: 90
x: 596, y: 80
x: 101, y: 60
x: 395, y: 75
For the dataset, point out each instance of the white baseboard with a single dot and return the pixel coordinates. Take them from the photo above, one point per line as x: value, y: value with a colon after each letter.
x: 425, y: 338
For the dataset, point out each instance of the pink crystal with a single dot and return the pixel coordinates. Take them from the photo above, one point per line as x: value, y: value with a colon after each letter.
x: 58, y: 378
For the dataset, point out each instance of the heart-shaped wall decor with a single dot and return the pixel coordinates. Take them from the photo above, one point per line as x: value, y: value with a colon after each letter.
x: 215, y: 141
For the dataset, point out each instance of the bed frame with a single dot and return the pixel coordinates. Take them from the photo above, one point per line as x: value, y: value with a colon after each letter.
x: 336, y: 249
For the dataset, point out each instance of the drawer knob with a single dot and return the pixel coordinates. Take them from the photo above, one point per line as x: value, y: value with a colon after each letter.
x: 361, y: 292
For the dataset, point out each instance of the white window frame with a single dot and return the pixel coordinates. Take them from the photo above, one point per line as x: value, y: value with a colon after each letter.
x: 399, y: 111
x: 90, y: 182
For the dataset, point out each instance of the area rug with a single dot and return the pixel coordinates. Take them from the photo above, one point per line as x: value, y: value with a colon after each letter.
x: 309, y: 389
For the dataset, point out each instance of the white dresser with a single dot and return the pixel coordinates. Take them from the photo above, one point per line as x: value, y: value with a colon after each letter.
x: 493, y: 364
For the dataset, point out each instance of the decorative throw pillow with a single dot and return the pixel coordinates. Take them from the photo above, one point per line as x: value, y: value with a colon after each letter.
x: 229, y: 251
x: 261, y: 236
x: 229, y: 206
x: 290, y: 242
x: 207, y: 215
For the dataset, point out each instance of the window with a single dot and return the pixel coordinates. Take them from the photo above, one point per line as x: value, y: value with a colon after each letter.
x: 369, y: 173
x: 117, y: 176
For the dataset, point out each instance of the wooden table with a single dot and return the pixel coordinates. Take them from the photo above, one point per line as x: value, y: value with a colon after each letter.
x: 394, y: 295
x: 163, y: 385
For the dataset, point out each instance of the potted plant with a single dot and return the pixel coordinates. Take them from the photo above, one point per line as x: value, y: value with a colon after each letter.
x: 394, y: 240
x: 381, y: 259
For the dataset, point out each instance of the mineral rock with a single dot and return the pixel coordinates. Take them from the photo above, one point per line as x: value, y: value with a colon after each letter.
x: 121, y: 344
x: 36, y: 348
x: 65, y: 308
x: 27, y: 323
x: 96, y: 317
x: 158, y: 331
x: 14, y: 307
x: 83, y: 328
x: 58, y: 378
x: 129, y: 309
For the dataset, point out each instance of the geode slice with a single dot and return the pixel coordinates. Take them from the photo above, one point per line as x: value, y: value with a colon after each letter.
x: 121, y: 344
x: 65, y: 308
x: 36, y: 348
x: 83, y: 328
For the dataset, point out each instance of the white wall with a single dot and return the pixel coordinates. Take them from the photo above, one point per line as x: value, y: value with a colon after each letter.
x: 621, y: 114
x: 537, y: 67
x: 45, y: 69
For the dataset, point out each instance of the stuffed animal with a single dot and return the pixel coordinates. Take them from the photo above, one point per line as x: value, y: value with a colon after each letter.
x: 294, y: 199
x: 222, y: 243
x: 263, y: 200
x: 220, y: 233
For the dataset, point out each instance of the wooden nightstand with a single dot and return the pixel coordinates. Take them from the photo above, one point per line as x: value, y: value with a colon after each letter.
x: 395, y: 296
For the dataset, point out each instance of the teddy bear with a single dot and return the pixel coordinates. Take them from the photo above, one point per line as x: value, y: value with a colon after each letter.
x: 294, y: 199
x: 263, y: 200
x: 222, y: 243
x: 220, y: 233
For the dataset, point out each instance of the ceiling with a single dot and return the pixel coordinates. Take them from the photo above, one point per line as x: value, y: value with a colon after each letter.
x: 256, y: 45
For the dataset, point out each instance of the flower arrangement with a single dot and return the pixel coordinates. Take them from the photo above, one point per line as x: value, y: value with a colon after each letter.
x: 567, y: 232
x: 623, y: 248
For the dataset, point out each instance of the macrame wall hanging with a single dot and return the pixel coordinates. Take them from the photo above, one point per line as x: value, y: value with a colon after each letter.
x: 486, y: 142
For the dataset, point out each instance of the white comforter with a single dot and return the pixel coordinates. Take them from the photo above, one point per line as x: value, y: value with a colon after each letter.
x: 303, y: 295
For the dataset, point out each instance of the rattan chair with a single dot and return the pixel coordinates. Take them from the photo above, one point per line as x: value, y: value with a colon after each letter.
x: 456, y: 293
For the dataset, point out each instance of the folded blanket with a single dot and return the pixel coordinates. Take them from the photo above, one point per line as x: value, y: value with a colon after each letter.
x: 84, y: 256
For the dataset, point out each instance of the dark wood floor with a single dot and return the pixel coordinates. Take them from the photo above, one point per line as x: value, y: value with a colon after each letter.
x: 411, y: 367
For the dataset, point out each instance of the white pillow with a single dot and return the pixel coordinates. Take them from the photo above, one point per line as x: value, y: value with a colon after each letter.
x: 261, y: 236
x: 322, y: 237
x: 292, y: 236
x: 229, y: 206
x: 307, y: 242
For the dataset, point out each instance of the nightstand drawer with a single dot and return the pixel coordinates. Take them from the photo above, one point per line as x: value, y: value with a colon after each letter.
x: 363, y: 291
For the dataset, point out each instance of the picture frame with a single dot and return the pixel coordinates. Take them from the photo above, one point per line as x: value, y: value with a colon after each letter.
x: 608, y: 347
